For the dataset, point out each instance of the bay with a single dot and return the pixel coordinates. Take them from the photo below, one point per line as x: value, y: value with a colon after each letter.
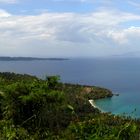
x: 121, y: 75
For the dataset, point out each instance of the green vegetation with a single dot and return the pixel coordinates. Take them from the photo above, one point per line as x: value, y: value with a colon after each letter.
x: 35, y: 109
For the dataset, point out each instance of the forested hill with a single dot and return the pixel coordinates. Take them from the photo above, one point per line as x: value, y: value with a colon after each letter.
x: 36, y: 109
x: 2, y: 58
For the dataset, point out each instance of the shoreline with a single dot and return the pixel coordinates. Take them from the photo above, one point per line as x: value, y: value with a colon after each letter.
x: 93, y: 104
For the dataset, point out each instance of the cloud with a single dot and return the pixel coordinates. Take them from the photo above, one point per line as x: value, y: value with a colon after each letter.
x: 63, y: 34
x: 135, y: 4
x: 3, y: 13
x: 75, y: 0
x: 9, y: 1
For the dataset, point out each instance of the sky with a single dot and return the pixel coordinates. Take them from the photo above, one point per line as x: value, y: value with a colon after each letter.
x: 70, y: 28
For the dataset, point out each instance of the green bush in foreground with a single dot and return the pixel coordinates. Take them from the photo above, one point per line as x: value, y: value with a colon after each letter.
x: 96, y: 129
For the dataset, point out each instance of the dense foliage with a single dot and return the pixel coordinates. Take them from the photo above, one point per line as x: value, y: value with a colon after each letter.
x: 35, y: 109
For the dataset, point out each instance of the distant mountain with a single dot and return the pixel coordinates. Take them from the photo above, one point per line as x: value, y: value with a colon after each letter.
x: 5, y: 58
x: 133, y: 54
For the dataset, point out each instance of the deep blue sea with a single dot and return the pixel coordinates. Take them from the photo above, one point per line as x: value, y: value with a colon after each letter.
x: 121, y: 75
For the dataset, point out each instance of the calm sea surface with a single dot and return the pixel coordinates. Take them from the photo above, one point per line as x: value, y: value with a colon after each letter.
x: 121, y: 75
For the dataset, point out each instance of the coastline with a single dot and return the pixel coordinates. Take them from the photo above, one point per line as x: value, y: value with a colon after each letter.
x: 93, y: 104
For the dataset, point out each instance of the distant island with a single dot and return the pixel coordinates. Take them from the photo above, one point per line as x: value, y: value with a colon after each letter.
x: 5, y: 58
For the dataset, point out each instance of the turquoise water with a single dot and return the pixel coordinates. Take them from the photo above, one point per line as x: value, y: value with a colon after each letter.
x: 127, y: 103
x: 121, y: 75
x: 120, y: 105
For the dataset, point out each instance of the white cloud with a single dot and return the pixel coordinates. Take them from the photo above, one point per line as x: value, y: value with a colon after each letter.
x: 135, y: 4
x: 9, y: 1
x: 4, y: 13
x: 127, y: 36
x: 58, y: 34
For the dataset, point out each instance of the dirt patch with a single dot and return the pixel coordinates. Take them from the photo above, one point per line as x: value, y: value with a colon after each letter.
x: 87, y: 90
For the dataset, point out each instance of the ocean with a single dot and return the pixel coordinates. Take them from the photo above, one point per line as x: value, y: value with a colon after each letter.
x: 121, y: 75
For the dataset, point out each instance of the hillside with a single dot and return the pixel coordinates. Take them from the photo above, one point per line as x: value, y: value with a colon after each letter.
x: 36, y: 109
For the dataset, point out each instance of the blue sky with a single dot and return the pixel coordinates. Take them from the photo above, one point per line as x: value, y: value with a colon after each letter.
x: 70, y: 28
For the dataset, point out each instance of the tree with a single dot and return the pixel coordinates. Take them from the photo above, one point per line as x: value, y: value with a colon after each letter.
x: 52, y: 81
